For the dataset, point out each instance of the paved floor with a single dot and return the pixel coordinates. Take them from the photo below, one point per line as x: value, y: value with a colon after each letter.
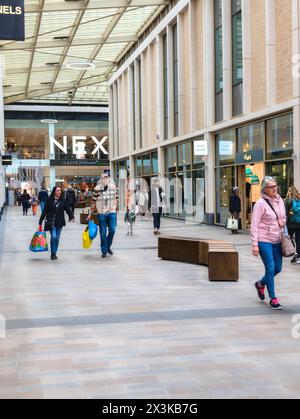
x: 133, y: 326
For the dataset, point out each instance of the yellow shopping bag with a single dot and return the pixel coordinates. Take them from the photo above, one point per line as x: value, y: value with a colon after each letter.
x: 86, y: 241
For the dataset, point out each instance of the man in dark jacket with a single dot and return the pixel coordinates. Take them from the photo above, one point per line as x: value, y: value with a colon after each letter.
x: 43, y: 197
x: 235, y: 206
x: 71, y: 198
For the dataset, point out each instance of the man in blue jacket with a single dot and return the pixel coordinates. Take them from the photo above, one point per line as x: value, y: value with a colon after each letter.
x: 43, y: 197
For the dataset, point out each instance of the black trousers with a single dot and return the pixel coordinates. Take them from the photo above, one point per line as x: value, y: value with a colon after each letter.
x: 295, y: 231
x: 156, y: 213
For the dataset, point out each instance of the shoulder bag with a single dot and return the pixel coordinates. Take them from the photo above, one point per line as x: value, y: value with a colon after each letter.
x: 288, y: 248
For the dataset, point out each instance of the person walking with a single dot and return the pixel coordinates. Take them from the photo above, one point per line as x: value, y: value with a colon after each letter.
x: 130, y: 219
x: 54, y: 216
x: 292, y: 205
x: 268, y: 222
x: 235, y: 206
x: 155, y: 204
x: 43, y: 197
x: 104, y: 204
x: 25, y: 199
x: 71, y: 198
x: 143, y: 203
x: 34, y: 204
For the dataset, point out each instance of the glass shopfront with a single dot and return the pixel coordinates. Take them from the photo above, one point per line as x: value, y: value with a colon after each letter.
x: 27, y: 140
x: 245, y: 155
x: 185, y: 180
x: 146, y: 166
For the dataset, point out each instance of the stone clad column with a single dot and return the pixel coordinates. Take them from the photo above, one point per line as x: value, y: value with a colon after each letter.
x: 160, y: 88
x: 270, y: 6
x: 247, y: 57
x: 193, y: 67
x: 296, y: 89
x: 209, y: 63
x: 227, y: 59
x: 170, y: 82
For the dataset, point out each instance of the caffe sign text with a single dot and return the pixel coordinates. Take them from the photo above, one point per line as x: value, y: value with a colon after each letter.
x: 78, y: 145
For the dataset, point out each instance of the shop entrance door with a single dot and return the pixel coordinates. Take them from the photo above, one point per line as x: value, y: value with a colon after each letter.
x: 249, y: 179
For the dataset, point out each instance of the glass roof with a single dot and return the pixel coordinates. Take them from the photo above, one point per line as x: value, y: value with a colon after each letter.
x: 65, y: 32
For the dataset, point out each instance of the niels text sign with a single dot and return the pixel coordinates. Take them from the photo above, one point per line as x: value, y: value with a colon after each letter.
x: 12, y: 20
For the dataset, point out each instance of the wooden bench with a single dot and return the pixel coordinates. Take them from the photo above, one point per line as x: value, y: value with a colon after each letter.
x: 219, y: 256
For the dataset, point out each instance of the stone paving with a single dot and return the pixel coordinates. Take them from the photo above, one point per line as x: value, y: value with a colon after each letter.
x: 133, y: 326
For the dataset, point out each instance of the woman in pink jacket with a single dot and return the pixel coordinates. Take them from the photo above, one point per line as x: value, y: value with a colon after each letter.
x: 268, y: 221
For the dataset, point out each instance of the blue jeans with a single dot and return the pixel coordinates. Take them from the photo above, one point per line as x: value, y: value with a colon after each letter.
x: 55, y: 237
x: 42, y: 204
x: 271, y: 255
x: 107, y: 221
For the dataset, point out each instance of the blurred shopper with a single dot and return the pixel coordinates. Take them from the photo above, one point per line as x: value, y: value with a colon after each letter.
x: 143, y: 203
x: 235, y: 206
x: 34, y: 204
x: 268, y: 222
x: 43, y: 197
x: 292, y: 205
x: 130, y: 219
x: 25, y: 199
x: 104, y: 203
x: 71, y: 198
x: 54, y: 216
x: 155, y: 204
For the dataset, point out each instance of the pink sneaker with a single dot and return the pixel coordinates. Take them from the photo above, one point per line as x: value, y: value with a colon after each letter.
x: 274, y: 304
x: 260, y: 291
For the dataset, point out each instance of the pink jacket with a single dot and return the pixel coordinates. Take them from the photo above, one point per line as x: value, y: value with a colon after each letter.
x: 264, y: 225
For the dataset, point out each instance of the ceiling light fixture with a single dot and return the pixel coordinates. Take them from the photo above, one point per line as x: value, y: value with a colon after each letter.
x: 81, y: 65
x: 49, y: 121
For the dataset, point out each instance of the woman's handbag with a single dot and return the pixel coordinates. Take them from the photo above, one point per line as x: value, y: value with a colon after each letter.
x: 232, y: 224
x: 287, y: 246
x: 86, y: 241
x: 39, y: 242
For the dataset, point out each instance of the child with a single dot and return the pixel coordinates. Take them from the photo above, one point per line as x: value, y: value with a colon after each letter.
x: 130, y: 219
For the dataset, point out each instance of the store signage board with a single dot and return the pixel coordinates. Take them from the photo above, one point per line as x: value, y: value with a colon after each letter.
x: 200, y: 148
x: 225, y: 148
x: 12, y: 27
x: 249, y: 157
x: 6, y: 160
x: 79, y: 162
x: 78, y: 145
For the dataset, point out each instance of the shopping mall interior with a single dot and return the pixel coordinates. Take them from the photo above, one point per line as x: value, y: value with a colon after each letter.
x: 131, y: 133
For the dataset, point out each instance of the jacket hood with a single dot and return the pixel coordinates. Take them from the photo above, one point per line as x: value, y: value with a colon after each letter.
x: 276, y: 199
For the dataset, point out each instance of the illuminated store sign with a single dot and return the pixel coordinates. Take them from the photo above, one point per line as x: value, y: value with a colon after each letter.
x: 12, y: 20
x: 78, y: 144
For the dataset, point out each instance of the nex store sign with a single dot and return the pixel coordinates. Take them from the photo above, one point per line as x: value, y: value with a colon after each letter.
x: 78, y: 145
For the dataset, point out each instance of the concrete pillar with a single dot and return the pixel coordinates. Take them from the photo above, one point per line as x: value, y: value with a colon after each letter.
x: 208, y: 23
x: 296, y: 89
x: 115, y: 121
x: 138, y: 116
x: 193, y: 67
x: 51, y: 131
x: 247, y: 56
x: 270, y: 6
x: 181, y: 69
x: 161, y: 161
x: 130, y: 110
x: 210, y: 183
x: 170, y: 82
x: 227, y: 59
x: 132, y: 167
x: 160, y: 88
x: 2, y: 140
x: 111, y: 123
x: 150, y: 94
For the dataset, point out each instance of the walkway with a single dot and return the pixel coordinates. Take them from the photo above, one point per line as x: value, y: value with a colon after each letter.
x: 133, y: 326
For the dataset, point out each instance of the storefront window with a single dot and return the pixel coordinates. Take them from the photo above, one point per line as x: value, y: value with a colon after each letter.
x: 138, y: 166
x: 171, y: 159
x: 282, y: 171
x: 185, y: 156
x: 225, y: 181
x: 225, y: 148
x: 251, y: 138
x: 280, y: 137
x: 26, y: 139
x: 154, y: 163
x: 147, y: 165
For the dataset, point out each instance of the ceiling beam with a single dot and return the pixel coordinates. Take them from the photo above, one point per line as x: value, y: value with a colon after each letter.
x: 49, y: 68
x: 108, y: 31
x: 56, y: 43
x: 37, y: 91
x: 94, y: 5
x: 36, y: 35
